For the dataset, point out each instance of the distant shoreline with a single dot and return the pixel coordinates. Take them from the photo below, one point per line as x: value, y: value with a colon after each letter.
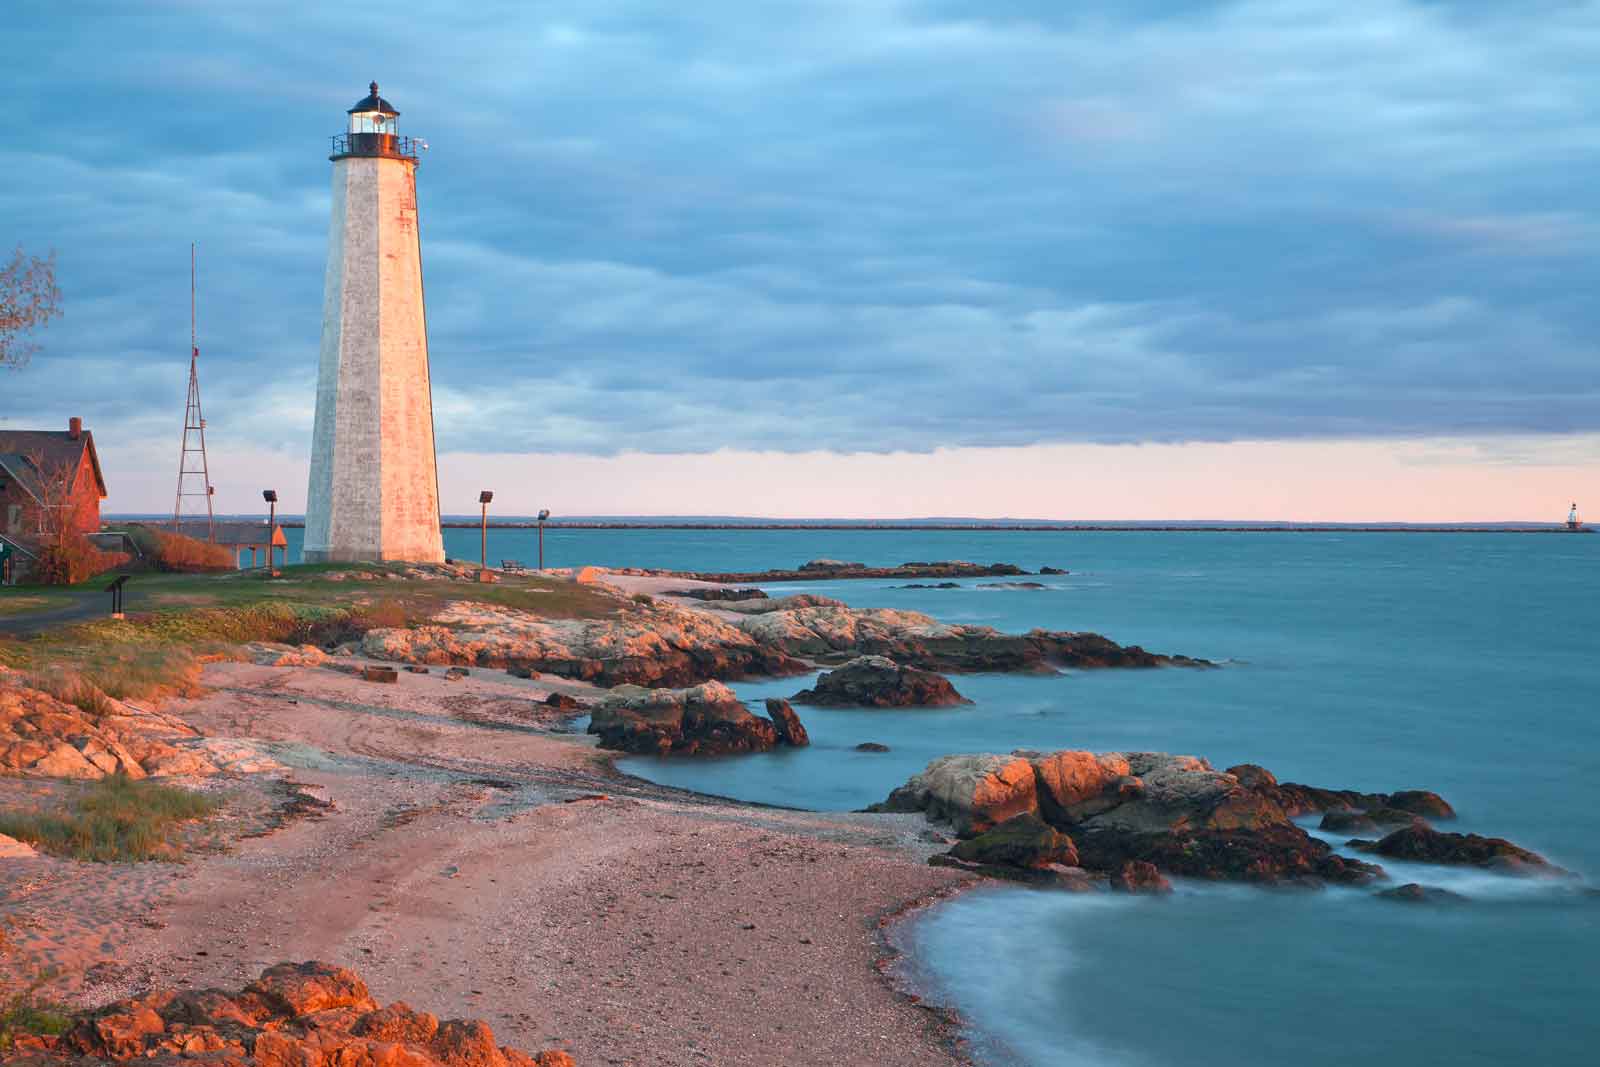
x: 973, y: 527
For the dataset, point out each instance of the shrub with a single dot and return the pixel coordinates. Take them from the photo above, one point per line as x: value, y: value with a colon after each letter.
x: 177, y: 554
x: 114, y: 819
x: 73, y: 560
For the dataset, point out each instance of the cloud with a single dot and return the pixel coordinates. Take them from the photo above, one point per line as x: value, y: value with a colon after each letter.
x: 863, y: 226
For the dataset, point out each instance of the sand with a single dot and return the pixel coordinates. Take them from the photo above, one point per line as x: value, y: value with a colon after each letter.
x: 477, y: 863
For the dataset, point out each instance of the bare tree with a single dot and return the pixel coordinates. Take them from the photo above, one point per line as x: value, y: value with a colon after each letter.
x: 52, y: 517
x: 29, y: 299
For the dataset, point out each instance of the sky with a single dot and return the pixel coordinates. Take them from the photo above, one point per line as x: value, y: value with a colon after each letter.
x: 1305, y: 259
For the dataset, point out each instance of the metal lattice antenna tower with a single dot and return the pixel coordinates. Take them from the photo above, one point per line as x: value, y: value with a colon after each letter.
x: 192, y: 459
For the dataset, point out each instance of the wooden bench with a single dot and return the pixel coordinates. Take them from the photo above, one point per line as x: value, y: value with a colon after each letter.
x: 513, y: 566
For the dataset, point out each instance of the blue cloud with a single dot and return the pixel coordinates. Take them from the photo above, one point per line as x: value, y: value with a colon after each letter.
x: 849, y: 225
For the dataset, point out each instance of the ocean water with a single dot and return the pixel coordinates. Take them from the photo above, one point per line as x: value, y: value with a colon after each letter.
x: 1467, y: 664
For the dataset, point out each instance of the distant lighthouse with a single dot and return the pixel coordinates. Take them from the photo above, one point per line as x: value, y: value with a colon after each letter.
x: 1573, y: 522
x: 374, y: 492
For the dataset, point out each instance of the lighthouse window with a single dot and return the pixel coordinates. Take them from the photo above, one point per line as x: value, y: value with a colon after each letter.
x: 371, y: 122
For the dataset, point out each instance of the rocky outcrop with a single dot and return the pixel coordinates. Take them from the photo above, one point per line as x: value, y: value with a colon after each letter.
x: 911, y: 639
x: 705, y: 720
x: 790, y: 731
x: 1176, y: 813
x: 1421, y: 843
x: 656, y: 644
x: 43, y: 737
x: 876, y: 682
x: 834, y: 569
x: 294, y: 1015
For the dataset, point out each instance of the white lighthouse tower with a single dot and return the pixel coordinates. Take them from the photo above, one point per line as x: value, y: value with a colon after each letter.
x: 374, y: 492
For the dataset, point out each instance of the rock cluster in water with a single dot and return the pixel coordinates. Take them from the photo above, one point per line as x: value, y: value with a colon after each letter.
x: 294, y: 1015
x: 1176, y: 814
x: 705, y: 720
x: 877, y: 682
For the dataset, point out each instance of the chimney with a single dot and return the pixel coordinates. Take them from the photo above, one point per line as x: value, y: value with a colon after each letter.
x: 74, y: 427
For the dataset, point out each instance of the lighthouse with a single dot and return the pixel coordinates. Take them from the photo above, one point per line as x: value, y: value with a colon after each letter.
x: 374, y: 489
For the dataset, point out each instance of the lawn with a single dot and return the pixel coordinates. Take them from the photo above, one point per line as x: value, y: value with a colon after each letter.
x: 178, y: 621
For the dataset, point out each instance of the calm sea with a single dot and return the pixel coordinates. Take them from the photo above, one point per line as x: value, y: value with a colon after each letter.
x: 1467, y: 664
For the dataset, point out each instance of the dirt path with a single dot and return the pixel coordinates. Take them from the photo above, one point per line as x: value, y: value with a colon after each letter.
x: 468, y: 869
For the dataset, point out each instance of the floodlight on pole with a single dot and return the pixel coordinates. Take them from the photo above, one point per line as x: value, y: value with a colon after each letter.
x: 483, y: 547
x: 271, y: 497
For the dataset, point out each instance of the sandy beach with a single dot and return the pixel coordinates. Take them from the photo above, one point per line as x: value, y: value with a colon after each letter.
x: 479, y: 861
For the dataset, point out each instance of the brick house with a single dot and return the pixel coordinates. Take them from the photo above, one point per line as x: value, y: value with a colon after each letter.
x: 44, y: 469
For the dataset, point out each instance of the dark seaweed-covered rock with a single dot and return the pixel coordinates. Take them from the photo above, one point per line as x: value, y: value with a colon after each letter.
x: 717, y: 594
x: 1421, y: 843
x: 871, y: 746
x: 877, y: 682
x: 1412, y: 893
x: 1139, y: 877
x: 1022, y: 841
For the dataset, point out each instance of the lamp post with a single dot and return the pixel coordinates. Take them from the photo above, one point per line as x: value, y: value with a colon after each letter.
x: 483, y: 546
x: 544, y: 513
x: 271, y: 497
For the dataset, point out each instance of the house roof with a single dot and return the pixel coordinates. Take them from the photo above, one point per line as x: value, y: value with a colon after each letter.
x: 228, y: 533
x: 20, y: 449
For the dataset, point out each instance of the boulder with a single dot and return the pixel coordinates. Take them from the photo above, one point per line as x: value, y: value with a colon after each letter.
x: 871, y: 746
x: 702, y: 720
x: 972, y: 792
x: 878, y: 682
x: 1021, y: 841
x: 1053, y: 570
x: 1347, y: 822
x: 562, y: 702
x: 303, y: 1015
x: 1075, y: 785
x: 1421, y: 843
x: 12, y: 849
x: 790, y: 731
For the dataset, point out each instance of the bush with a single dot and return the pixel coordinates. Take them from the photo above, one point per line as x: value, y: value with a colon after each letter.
x: 177, y: 554
x: 72, y: 561
x: 114, y: 819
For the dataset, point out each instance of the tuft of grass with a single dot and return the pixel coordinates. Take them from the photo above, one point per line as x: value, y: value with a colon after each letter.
x: 24, y: 1012
x: 115, y: 819
x: 69, y: 687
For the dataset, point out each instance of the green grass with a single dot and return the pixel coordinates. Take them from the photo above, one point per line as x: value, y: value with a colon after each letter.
x: 115, y: 819
x: 24, y: 1013
x: 180, y: 621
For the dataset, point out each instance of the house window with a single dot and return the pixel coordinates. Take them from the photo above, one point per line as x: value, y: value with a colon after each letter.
x: 14, y: 518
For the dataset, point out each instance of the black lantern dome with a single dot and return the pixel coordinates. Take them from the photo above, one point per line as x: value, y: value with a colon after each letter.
x: 374, y: 102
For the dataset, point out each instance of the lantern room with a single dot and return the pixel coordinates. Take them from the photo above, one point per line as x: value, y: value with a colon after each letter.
x: 373, y: 114
x: 372, y: 132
